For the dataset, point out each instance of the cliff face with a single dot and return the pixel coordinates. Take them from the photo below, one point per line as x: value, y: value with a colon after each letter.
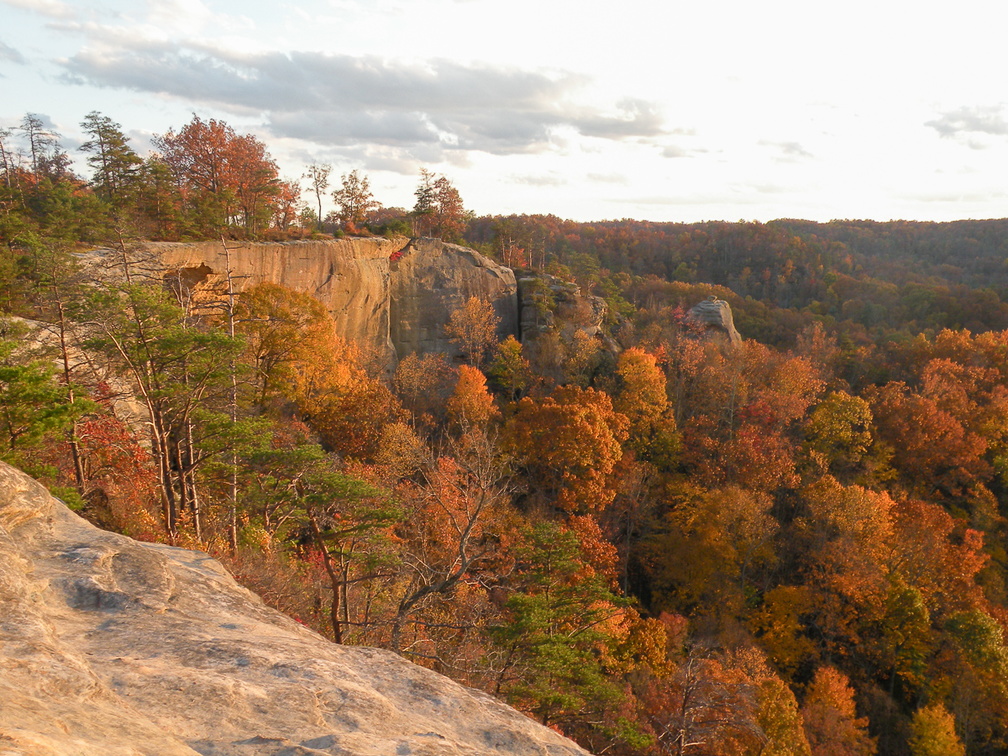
x: 392, y: 296
x: 430, y: 280
x: 110, y: 646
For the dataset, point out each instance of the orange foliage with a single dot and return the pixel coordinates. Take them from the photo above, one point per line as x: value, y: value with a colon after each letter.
x: 570, y: 442
x: 831, y: 722
x: 471, y: 406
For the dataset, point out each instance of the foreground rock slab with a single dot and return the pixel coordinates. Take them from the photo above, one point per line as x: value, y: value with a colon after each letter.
x: 109, y: 646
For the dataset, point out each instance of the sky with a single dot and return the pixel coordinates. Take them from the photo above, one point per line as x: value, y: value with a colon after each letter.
x: 666, y: 111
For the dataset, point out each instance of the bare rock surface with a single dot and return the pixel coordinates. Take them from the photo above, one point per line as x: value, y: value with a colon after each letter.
x: 716, y: 314
x: 349, y: 276
x: 392, y: 296
x: 110, y: 646
x: 540, y: 295
x: 432, y: 279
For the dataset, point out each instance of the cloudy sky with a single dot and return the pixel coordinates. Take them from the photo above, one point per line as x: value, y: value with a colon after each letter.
x: 707, y: 110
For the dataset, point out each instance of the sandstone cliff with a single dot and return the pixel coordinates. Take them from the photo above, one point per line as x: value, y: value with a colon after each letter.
x: 393, y: 296
x: 110, y: 646
x: 430, y: 280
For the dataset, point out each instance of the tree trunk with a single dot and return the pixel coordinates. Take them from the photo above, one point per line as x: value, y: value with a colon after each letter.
x: 334, y: 580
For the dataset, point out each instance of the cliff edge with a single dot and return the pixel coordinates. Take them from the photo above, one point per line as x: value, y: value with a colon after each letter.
x: 110, y: 646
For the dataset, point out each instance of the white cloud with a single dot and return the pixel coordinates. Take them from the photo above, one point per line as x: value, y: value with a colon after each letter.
x: 48, y: 8
x: 968, y: 121
x: 338, y: 99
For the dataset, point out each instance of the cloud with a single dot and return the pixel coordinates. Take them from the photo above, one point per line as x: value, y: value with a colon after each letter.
x: 50, y: 8
x: 608, y: 178
x: 986, y: 120
x: 11, y: 55
x: 340, y: 99
x: 637, y: 118
x: 544, y: 179
x: 789, y: 150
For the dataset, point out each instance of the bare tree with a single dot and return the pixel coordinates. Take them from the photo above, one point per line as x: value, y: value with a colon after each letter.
x: 318, y: 177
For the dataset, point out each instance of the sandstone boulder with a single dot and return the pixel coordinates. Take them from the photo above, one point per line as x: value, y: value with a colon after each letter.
x: 113, y: 647
x: 542, y: 298
x: 716, y: 314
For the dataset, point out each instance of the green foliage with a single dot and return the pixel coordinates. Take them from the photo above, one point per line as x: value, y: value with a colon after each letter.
x: 981, y: 638
x: 33, y: 405
x: 556, y: 630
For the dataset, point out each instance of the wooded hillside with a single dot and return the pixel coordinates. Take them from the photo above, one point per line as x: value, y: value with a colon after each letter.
x: 647, y: 537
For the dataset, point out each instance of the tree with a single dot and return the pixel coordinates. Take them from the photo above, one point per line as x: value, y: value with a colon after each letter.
x: 510, y: 370
x: 286, y: 205
x: 318, y: 181
x: 558, y: 630
x: 283, y: 330
x: 455, y: 530
x: 59, y: 293
x: 225, y: 178
x: 847, y: 538
x: 354, y: 200
x: 438, y: 210
x: 33, y: 404
x: 932, y: 450
x: 423, y: 384
x: 568, y: 444
x: 471, y: 407
x: 643, y: 399
x: 704, y: 557
x: 473, y: 326
x: 254, y: 178
x: 707, y: 702
x: 335, y: 519
x: 113, y: 161
x: 932, y: 733
x: 831, y: 722
x: 839, y: 432
x: 182, y: 374
x: 48, y: 160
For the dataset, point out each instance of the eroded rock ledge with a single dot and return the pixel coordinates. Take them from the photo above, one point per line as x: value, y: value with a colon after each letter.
x: 110, y: 646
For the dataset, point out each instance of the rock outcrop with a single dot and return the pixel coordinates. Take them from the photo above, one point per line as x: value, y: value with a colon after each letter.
x: 542, y: 298
x: 716, y: 314
x: 430, y: 280
x: 349, y: 276
x: 392, y: 296
x: 113, y: 647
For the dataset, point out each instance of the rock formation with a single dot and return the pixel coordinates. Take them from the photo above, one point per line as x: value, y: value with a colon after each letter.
x: 391, y: 296
x: 430, y: 280
x: 349, y: 276
x: 114, y: 647
x: 540, y: 295
x: 716, y: 314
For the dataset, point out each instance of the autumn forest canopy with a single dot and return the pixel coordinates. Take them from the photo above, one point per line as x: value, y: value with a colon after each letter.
x: 644, y: 535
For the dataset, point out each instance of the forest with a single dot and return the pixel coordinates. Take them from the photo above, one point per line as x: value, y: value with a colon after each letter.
x: 655, y: 542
